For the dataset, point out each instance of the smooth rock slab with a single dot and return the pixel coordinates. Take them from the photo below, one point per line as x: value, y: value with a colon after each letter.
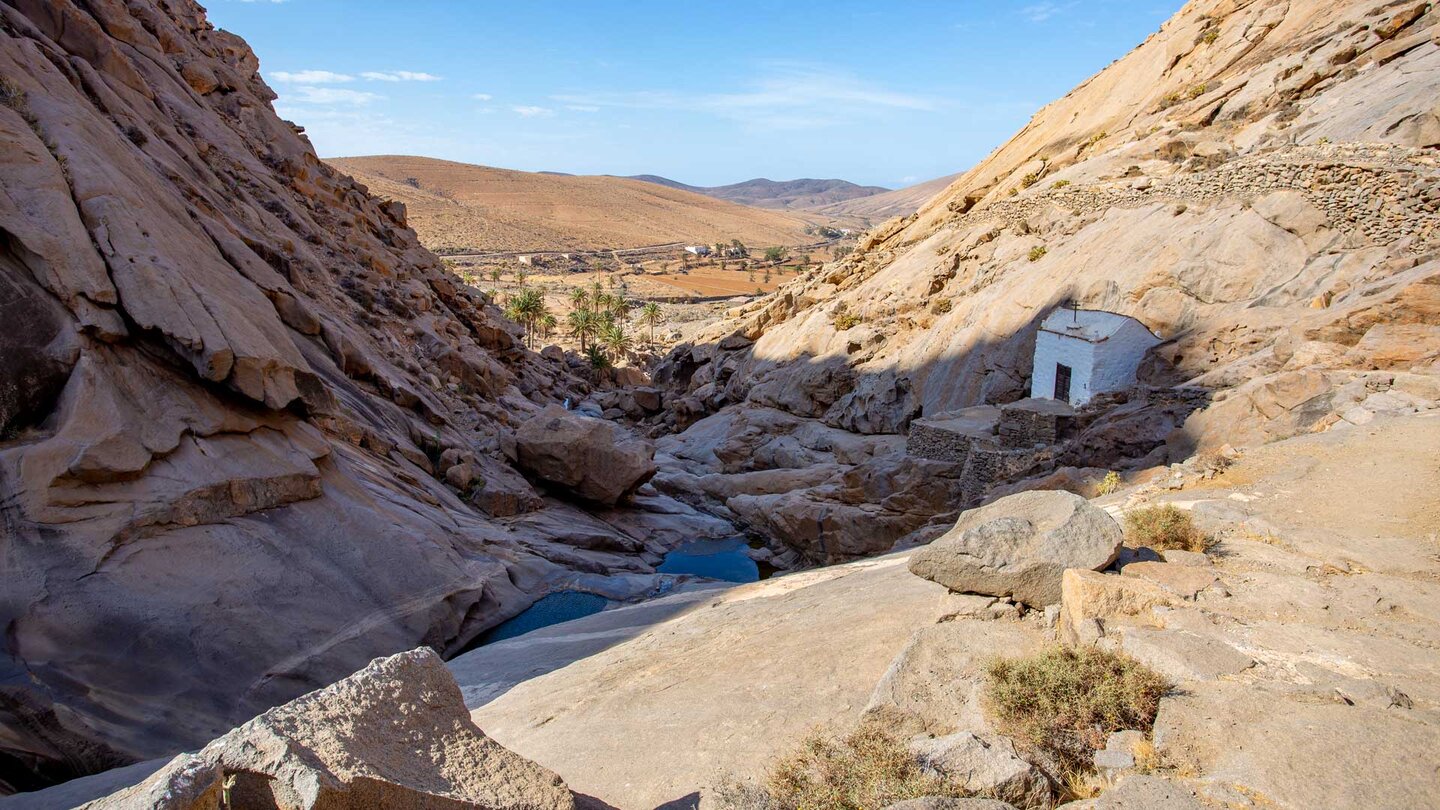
x: 1020, y: 546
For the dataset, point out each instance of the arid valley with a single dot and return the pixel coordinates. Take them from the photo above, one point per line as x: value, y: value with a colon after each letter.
x: 1099, y: 470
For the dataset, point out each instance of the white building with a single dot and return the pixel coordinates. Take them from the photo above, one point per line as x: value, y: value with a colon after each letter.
x: 1082, y: 352
x: 698, y: 250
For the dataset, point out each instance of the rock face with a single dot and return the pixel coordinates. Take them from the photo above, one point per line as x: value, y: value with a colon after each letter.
x: 1255, y: 183
x: 593, y: 459
x: 395, y: 734
x: 1020, y: 546
x: 228, y: 377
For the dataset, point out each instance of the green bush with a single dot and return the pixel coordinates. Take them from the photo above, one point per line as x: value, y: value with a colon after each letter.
x: 1109, y: 484
x: 1064, y: 702
x: 1164, y: 527
x: 1037, y: 252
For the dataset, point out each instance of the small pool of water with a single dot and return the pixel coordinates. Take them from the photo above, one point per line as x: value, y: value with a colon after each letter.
x: 717, y: 559
x: 550, y: 609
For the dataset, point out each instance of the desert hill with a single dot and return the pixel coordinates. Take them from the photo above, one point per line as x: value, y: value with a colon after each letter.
x: 790, y: 195
x: 877, y: 208
x: 462, y: 207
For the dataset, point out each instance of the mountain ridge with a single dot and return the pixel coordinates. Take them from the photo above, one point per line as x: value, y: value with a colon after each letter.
x: 761, y: 192
x: 457, y: 206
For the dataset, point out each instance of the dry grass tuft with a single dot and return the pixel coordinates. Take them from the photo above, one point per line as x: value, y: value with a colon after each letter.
x: 1064, y: 702
x: 1108, y: 485
x: 1164, y: 527
x: 866, y: 769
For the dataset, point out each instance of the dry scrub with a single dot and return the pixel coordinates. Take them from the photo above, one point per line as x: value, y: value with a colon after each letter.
x: 1064, y: 702
x: 1164, y: 527
x: 867, y: 769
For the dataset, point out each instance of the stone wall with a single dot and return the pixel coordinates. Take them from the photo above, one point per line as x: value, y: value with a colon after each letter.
x: 938, y: 444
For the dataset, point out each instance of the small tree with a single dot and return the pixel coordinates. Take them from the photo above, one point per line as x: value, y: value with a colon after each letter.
x: 651, y: 315
x: 495, y: 275
x: 776, y: 254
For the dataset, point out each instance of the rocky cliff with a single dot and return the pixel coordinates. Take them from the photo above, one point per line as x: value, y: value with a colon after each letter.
x: 1257, y: 183
x: 232, y: 385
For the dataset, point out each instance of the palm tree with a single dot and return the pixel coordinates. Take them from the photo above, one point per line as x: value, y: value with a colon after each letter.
x: 548, y: 324
x: 652, y: 316
x: 579, y: 299
x: 613, y: 337
x: 583, y: 324
x: 520, y: 277
x: 598, y: 360
x: 527, y: 307
x: 495, y: 275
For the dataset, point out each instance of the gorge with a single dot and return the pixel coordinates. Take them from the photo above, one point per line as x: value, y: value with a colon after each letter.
x: 255, y: 436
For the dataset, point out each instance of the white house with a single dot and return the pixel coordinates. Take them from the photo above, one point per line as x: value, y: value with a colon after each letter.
x: 1081, y: 352
x: 698, y: 250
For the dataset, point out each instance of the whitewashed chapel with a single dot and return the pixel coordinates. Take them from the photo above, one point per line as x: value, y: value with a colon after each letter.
x: 1082, y: 352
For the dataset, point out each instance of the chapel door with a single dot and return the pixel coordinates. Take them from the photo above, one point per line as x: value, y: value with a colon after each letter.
x: 1062, y: 382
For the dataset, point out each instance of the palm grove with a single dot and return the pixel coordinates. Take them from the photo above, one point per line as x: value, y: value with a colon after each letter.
x: 597, y: 319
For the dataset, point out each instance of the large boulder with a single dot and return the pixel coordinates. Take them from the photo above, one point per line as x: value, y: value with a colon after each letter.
x: 395, y: 734
x: 1020, y: 546
x: 594, y: 459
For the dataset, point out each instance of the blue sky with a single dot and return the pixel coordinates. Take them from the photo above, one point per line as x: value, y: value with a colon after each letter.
x: 706, y: 93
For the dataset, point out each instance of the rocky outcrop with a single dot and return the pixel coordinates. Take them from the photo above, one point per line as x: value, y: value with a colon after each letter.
x: 249, y: 428
x: 589, y: 458
x: 1020, y: 545
x: 1255, y: 183
x: 394, y: 734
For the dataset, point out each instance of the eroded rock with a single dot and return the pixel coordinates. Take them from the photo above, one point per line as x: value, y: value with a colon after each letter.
x: 1020, y: 545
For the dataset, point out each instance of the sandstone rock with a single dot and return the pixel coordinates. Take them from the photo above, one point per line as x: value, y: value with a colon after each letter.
x: 1087, y: 597
x: 395, y: 734
x: 1141, y: 792
x: 1020, y: 545
x: 460, y: 476
x: 592, y: 459
x: 986, y: 765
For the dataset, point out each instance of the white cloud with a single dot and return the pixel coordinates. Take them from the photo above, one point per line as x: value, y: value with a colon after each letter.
x: 482, y: 97
x: 582, y: 107
x: 533, y: 112
x: 305, y: 94
x: 1040, y: 12
x: 789, y: 96
x: 310, y: 77
x: 399, y: 76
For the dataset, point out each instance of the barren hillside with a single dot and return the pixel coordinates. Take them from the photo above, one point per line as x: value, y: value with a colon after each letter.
x: 876, y: 208
x: 790, y: 195
x: 462, y: 207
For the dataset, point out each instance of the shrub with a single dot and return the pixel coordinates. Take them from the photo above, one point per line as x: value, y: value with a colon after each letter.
x: 1109, y: 484
x: 1198, y: 90
x: 13, y: 96
x: 941, y: 306
x: 1029, y: 180
x: 866, y: 769
x: 842, y: 318
x: 1210, y: 36
x: 1060, y: 184
x: 1164, y: 527
x: 1037, y: 252
x: 1064, y: 702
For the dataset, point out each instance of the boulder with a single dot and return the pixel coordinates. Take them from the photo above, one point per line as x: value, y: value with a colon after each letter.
x: 593, y: 459
x: 984, y: 764
x: 1020, y: 546
x: 394, y: 734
